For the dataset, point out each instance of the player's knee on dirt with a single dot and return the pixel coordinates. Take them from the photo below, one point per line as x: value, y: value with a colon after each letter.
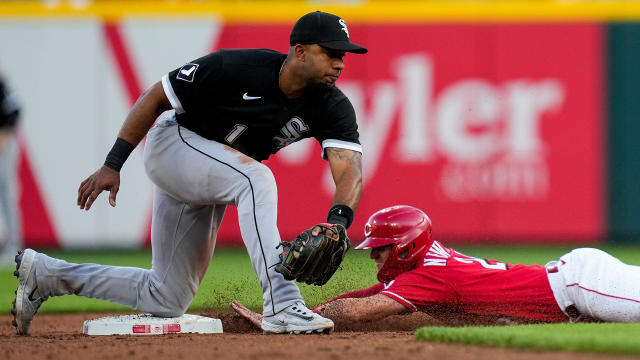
x: 176, y: 311
x: 173, y: 308
x: 166, y: 300
x: 179, y: 304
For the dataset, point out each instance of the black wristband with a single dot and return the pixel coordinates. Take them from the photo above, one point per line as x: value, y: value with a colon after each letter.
x: 118, y: 154
x: 340, y: 214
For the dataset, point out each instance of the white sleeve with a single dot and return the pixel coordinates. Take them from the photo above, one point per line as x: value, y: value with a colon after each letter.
x: 340, y: 144
x: 171, y: 95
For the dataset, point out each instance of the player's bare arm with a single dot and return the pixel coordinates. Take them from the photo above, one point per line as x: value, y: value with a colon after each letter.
x: 348, y: 310
x: 346, y: 169
x: 250, y: 315
x: 355, y: 310
x: 149, y: 106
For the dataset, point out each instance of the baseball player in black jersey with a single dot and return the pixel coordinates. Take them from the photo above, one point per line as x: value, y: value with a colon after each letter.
x: 233, y: 109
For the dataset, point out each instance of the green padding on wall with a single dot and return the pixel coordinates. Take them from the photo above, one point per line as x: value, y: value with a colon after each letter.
x: 624, y: 131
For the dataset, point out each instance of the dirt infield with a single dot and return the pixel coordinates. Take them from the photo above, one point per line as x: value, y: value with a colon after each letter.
x: 60, y: 337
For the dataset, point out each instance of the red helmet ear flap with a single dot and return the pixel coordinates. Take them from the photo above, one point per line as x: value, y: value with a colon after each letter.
x: 408, y: 228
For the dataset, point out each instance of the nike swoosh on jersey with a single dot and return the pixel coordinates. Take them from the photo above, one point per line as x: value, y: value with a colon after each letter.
x: 247, y: 97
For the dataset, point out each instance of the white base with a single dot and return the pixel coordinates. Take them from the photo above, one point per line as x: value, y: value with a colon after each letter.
x: 146, y: 324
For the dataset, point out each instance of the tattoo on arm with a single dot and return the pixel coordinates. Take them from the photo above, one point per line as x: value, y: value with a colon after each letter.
x: 346, y: 169
x: 353, y: 157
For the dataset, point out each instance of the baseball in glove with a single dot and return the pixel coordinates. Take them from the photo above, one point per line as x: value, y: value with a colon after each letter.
x: 314, y: 259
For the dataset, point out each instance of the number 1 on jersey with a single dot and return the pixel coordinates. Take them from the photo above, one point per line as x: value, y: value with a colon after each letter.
x: 238, y: 129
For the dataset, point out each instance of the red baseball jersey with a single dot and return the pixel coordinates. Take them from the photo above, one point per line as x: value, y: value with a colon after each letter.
x: 451, y: 286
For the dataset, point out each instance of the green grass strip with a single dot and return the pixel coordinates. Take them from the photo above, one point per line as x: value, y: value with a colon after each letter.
x: 231, y: 277
x: 609, y: 338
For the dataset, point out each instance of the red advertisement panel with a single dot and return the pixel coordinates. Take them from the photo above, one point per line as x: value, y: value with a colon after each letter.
x: 496, y: 131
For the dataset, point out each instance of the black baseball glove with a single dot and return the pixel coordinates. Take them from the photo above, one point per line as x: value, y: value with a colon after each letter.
x: 314, y: 259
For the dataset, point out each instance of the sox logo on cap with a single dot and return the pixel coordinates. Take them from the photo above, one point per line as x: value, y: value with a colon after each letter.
x: 344, y: 26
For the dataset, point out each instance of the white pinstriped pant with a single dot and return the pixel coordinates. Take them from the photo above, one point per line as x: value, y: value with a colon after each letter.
x: 598, y: 285
x: 195, y: 179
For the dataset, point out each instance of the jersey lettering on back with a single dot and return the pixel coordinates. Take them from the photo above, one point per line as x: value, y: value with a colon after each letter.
x: 449, y: 284
x: 436, y: 256
x: 496, y: 265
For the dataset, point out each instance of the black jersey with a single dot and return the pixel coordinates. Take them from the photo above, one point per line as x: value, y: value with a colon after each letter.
x: 9, y: 109
x: 233, y: 97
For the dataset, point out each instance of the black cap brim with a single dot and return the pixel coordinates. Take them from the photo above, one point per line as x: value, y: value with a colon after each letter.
x: 345, y: 46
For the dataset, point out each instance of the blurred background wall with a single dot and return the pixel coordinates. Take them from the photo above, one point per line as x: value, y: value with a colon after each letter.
x: 507, y: 122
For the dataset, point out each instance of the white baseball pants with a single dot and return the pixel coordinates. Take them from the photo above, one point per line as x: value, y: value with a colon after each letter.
x: 9, y: 208
x: 195, y: 179
x: 598, y: 285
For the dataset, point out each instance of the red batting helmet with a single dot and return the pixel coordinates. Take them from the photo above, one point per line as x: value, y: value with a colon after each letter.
x: 406, y: 227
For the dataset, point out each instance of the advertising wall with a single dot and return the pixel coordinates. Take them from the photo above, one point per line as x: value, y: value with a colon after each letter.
x: 494, y: 129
